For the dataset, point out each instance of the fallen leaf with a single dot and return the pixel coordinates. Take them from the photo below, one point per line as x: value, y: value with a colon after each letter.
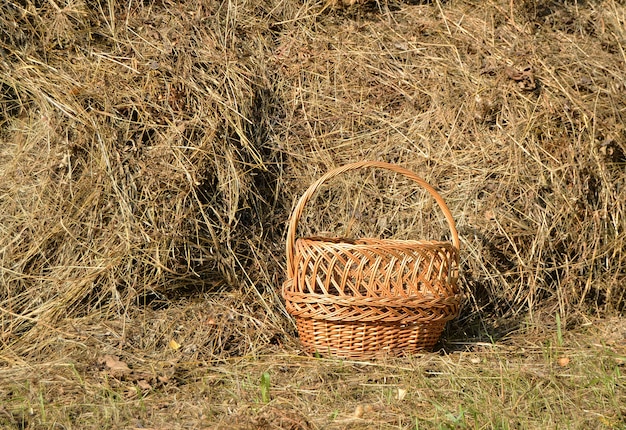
x: 525, y: 78
x: 174, y: 345
x: 115, y: 365
x: 144, y: 385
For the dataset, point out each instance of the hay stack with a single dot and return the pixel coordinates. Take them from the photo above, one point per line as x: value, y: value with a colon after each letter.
x: 514, y: 114
x: 131, y: 166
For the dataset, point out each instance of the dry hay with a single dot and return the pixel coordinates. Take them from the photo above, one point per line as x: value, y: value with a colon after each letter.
x: 518, y: 120
x: 131, y: 167
x: 152, y: 151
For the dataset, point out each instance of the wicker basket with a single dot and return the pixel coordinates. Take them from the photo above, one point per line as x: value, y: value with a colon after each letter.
x: 369, y: 297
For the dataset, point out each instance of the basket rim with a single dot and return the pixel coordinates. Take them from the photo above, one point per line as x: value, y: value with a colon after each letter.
x: 398, y: 321
x: 369, y: 241
x: 398, y: 313
x: 411, y: 302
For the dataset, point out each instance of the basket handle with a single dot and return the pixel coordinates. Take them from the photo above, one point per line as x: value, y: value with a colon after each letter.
x: 297, y: 212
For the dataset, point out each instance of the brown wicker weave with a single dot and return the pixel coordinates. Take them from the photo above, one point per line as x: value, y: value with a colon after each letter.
x: 369, y: 297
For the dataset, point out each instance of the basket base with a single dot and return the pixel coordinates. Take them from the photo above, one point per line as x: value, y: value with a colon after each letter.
x: 364, y: 340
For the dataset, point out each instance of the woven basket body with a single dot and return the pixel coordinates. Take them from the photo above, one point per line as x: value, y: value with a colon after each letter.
x: 370, y: 297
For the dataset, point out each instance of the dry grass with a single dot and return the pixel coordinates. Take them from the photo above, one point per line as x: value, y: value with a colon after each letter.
x: 151, y: 151
x: 531, y: 380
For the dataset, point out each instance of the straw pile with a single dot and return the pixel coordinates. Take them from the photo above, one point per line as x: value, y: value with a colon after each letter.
x: 152, y: 151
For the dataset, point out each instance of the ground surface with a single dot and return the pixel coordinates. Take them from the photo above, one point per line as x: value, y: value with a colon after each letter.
x: 535, y: 378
